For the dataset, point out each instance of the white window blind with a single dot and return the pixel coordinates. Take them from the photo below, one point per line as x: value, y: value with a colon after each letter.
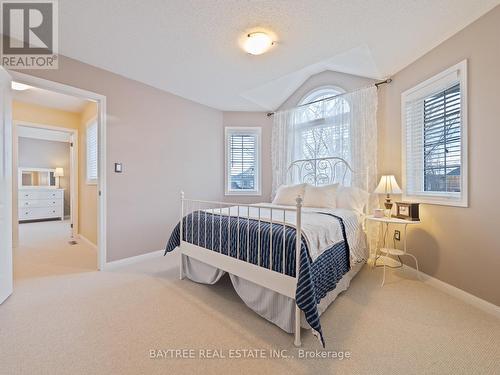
x: 434, y: 139
x: 92, y: 149
x: 243, y: 161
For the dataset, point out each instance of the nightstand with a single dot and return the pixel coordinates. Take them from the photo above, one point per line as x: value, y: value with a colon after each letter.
x: 383, y: 250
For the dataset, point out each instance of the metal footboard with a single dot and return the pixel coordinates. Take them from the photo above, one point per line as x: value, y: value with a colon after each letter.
x: 256, y: 273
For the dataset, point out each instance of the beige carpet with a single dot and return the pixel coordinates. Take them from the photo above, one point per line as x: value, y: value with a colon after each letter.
x: 66, y: 318
x: 44, y: 250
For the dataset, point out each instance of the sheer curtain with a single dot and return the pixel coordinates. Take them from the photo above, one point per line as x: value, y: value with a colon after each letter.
x: 282, y: 146
x: 345, y: 126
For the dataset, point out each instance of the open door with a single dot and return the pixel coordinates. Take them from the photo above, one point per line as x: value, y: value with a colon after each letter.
x: 6, y: 281
x: 73, y: 161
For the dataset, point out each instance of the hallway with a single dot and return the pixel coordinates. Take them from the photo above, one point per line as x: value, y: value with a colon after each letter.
x: 44, y: 250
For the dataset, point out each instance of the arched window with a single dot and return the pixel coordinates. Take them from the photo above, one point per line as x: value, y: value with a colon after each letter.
x: 321, y: 93
x: 322, y: 127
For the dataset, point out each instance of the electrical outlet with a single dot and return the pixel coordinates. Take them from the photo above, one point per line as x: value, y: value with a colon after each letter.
x: 397, y: 235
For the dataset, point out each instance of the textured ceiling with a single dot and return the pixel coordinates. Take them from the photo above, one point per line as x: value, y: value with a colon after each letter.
x: 191, y: 47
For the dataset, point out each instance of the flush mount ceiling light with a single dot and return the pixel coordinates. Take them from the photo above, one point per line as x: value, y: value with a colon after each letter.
x: 257, y: 43
x: 19, y: 86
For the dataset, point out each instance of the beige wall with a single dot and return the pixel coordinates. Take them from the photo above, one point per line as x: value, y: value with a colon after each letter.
x: 460, y: 246
x: 87, y: 193
x: 166, y: 143
x: 40, y: 153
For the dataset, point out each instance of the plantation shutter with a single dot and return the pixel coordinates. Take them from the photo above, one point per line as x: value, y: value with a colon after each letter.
x: 433, y: 137
x: 92, y: 159
x: 242, y: 159
x: 442, y: 145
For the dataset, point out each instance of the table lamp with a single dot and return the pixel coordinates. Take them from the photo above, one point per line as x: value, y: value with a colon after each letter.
x: 59, y: 173
x: 388, y: 186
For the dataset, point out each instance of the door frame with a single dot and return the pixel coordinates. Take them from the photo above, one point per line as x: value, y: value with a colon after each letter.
x: 101, y: 124
x: 6, y: 271
x: 73, y: 171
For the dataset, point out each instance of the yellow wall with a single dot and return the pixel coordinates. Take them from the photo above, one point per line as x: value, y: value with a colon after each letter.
x: 87, y: 194
x: 44, y: 115
x: 87, y: 215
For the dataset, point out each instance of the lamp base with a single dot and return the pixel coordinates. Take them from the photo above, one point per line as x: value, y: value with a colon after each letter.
x: 388, y: 206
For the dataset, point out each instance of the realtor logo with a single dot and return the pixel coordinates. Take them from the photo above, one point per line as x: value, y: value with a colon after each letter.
x: 29, y: 34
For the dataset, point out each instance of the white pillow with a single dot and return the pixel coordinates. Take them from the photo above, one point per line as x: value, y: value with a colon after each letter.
x: 352, y: 198
x: 321, y: 196
x: 287, y: 194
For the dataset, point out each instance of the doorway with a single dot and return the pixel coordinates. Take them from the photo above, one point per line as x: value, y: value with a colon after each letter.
x: 46, y: 158
x: 68, y: 229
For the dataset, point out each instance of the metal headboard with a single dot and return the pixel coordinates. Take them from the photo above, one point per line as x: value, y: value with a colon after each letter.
x: 320, y: 171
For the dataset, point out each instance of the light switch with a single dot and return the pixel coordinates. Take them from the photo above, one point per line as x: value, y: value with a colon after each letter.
x: 118, y: 168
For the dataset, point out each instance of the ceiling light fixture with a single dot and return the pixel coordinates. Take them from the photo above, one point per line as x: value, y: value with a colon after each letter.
x: 19, y: 86
x: 257, y: 43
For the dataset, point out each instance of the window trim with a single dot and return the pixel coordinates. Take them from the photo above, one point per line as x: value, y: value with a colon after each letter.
x: 302, y: 103
x: 89, y: 123
x: 254, y: 130
x: 338, y: 89
x: 440, y: 198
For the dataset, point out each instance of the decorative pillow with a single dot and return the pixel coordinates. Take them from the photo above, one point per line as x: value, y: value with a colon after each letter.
x: 321, y: 196
x: 287, y: 194
x: 352, y: 198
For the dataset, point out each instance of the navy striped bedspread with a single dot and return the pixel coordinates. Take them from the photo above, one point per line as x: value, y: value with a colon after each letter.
x: 240, y: 239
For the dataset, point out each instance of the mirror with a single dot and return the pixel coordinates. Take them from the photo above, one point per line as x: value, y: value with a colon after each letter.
x: 37, y: 177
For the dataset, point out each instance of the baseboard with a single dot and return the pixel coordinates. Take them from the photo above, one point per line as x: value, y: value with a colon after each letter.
x: 481, y: 304
x: 87, y: 241
x: 130, y: 260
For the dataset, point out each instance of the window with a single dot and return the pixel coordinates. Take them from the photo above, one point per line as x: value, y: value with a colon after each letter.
x: 322, y: 128
x: 92, y: 160
x: 243, y: 161
x: 434, y: 139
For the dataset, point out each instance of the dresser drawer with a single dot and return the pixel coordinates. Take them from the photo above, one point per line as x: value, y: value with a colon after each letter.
x: 35, y: 213
x: 45, y: 194
x: 56, y: 202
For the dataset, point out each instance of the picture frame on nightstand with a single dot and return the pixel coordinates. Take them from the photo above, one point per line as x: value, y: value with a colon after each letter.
x: 407, y: 211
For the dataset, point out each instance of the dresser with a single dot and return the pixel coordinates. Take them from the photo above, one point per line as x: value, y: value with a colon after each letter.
x: 41, y: 203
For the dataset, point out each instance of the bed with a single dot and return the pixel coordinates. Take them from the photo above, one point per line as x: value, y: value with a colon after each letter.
x: 258, y: 246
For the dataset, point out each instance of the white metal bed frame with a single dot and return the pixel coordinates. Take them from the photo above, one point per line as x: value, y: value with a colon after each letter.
x: 319, y: 171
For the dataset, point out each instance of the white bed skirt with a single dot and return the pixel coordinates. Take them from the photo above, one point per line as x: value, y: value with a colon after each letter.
x: 271, y: 305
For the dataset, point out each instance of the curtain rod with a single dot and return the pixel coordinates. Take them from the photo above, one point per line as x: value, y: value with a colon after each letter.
x: 377, y: 84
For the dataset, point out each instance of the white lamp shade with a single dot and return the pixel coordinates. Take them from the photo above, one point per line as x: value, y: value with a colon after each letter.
x: 59, y: 172
x: 388, y: 185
